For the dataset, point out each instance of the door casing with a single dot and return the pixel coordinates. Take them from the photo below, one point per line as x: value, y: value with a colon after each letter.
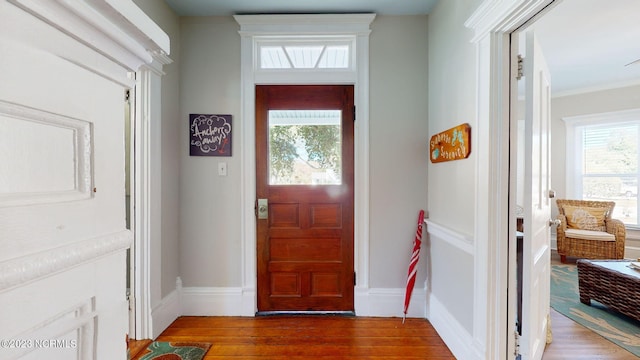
x: 493, y: 22
x: 254, y: 28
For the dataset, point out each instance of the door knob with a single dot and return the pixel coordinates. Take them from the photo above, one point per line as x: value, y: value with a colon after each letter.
x: 552, y: 194
x: 555, y: 222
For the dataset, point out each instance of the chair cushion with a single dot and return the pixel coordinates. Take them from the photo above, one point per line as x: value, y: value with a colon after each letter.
x: 589, y: 235
x: 585, y: 218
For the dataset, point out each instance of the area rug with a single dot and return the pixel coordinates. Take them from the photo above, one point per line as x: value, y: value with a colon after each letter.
x: 613, y: 326
x: 160, y: 350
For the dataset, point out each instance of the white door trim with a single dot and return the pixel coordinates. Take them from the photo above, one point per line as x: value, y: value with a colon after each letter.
x: 147, y: 123
x: 252, y: 27
x: 493, y: 21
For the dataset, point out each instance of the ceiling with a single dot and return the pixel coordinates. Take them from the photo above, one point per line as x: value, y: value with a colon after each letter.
x: 587, y: 43
x: 232, y: 7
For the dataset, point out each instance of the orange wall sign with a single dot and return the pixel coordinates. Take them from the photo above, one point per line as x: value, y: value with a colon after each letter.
x: 452, y: 144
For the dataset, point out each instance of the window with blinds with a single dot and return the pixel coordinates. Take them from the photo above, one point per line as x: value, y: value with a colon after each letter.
x: 607, y: 159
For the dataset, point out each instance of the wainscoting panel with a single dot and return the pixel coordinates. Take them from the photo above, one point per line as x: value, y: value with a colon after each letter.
x: 64, y: 315
x: 27, y: 136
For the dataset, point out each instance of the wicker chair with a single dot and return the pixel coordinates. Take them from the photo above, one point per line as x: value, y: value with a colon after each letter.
x: 590, y: 244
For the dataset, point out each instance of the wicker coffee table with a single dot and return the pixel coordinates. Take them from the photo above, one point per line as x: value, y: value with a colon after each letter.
x: 612, y: 283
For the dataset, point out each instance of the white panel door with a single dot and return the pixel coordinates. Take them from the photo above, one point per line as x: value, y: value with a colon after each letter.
x: 537, y: 204
x: 63, y: 237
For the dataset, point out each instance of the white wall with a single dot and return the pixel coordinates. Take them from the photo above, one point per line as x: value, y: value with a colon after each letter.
x: 611, y: 100
x: 398, y: 137
x: 210, y: 204
x: 625, y: 98
x: 451, y: 185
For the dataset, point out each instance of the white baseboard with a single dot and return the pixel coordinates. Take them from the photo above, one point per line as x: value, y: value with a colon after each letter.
x: 632, y: 252
x: 167, y: 311
x: 389, y: 302
x: 457, y: 338
x: 215, y: 301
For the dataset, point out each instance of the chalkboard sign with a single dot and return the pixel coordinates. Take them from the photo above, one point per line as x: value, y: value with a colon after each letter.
x: 452, y: 144
x: 210, y: 135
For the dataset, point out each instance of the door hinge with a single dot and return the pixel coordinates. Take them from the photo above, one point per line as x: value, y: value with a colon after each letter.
x: 354, y: 278
x: 127, y: 95
x: 516, y: 350
x: 354, y: 113
x: 520, y: 73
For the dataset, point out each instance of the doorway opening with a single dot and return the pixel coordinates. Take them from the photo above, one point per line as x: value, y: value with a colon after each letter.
x: 342, y: 34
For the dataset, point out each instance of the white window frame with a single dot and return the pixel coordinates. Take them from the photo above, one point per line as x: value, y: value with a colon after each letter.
x: 573, y: 158
x: 256, y: 29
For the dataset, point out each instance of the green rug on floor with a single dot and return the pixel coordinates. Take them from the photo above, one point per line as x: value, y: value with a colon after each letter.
x: 613, y: 326
x: 160, y: 350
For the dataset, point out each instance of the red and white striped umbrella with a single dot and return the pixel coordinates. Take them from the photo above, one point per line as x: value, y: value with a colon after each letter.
x: 413, y: 265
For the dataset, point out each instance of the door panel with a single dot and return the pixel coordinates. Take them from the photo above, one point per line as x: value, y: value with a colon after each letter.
x: 536, y: 243
x: 304, y: 168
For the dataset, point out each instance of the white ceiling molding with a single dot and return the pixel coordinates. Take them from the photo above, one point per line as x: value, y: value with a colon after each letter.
x: 117, y: 29
x: 288, y: 24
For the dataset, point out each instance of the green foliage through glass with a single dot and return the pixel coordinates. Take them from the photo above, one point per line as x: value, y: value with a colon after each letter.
x: 305, y: 154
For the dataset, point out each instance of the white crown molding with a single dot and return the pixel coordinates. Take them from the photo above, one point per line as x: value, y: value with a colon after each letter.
x: 116, y: 29
x: 304, y: 24
x: 501, y: 15
x: 35, y: 266
x: 591, y: 89
x: 598, y: 118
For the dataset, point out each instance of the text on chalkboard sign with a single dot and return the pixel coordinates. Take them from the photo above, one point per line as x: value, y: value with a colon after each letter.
x: 210, y: 135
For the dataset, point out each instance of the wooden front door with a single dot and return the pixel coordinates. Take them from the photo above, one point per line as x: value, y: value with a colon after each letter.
x: 304, y: 186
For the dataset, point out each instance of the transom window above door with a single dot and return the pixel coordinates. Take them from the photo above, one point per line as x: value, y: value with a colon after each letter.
x: 316, y: 54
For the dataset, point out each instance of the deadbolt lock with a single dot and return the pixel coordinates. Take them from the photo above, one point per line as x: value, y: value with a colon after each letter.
x: 263, y: 208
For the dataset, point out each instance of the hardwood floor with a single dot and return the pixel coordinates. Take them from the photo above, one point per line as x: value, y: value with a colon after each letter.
x: 574, y: 341
x: 305, y: 337
x: 136, y: 346
x: 296, y: 337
